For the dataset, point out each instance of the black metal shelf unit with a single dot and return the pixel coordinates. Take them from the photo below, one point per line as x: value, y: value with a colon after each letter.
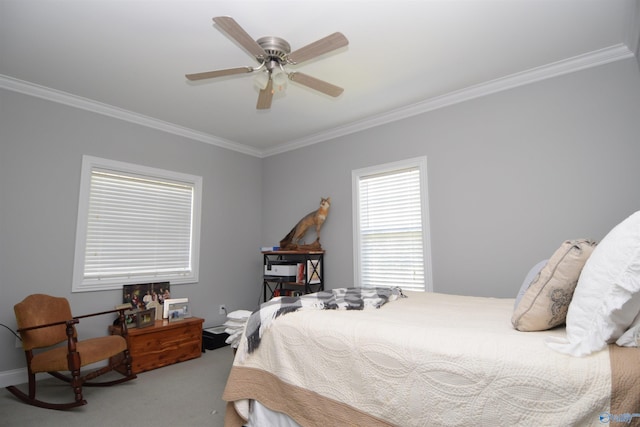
x: 308, y: 278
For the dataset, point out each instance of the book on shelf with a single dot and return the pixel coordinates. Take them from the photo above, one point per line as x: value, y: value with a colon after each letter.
x: 270, y: 248
x: 286, y: 293
x: 300, y: 273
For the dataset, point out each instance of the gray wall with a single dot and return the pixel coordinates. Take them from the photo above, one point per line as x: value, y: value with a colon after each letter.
x: 633, y: 36
x: 511, y: 176
x: 41, y: 148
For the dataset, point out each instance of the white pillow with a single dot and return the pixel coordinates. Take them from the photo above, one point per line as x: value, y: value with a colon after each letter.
x: 607, y: 297
x: 631, y: 338
x: 239, y: 315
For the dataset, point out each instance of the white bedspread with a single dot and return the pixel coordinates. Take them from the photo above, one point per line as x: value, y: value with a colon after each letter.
x: 433, y: 359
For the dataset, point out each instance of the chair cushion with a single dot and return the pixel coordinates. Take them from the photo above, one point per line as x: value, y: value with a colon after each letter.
x: 91, y: 350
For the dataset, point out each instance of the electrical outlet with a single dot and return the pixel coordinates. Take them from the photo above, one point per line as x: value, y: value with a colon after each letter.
x: 222, y: 309
x: 18, y: 343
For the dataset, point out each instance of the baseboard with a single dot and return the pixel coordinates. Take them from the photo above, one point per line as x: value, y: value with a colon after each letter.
x: 19, y: 376
x: 13, y: 377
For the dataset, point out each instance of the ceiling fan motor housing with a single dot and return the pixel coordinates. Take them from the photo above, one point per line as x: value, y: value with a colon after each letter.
x: 276, y: 48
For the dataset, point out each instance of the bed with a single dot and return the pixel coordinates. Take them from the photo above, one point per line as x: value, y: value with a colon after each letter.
x: 563, y: 352
x: 426, y: 360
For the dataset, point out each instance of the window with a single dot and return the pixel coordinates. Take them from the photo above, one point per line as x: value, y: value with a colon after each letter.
x: 391, y: 226
x: 135, y: 224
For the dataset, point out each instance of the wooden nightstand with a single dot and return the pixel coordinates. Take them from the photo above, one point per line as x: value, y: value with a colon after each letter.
x: 164, y: 343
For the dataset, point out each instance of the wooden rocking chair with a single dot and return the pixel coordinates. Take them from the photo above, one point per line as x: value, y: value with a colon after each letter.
x: 44, y: 321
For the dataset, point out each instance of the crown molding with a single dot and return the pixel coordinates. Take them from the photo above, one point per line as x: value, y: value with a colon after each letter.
x: 566, y: 66
x: 570, y: 65
x: 68, y: 99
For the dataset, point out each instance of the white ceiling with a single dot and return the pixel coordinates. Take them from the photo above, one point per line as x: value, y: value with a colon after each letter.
x: 128, y: 59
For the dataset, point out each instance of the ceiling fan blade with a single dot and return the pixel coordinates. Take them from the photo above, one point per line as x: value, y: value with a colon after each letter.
x: 317, y: 84
x: 235, y: 31
x: 265, y: 97
x: 317, y: 48
x: 219, y: 73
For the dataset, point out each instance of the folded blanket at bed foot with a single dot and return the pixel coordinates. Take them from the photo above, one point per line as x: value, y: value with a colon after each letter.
x: 335, y: 299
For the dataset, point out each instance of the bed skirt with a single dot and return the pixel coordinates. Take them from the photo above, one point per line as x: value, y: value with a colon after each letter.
x: 305, y: 407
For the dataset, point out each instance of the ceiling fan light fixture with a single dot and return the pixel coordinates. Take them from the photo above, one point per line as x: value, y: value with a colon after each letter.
x: 261, y: 80
x: 280, y: 80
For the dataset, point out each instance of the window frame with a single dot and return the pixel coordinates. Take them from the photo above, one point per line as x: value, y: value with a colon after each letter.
x: 417, y: 162
x: 91, y: 163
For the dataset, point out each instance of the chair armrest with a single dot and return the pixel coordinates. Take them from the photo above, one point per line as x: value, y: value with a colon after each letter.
x: 117, y: 310
x: 73, y: 321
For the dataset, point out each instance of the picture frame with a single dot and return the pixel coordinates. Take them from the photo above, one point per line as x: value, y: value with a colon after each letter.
x: 168, y: 302
x: 146, y: 295
x: 145, y: 318
x: 178, y: 311
x: 131, y: 318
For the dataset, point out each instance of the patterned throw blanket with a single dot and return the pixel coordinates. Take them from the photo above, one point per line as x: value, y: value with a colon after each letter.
x: 336, y: 299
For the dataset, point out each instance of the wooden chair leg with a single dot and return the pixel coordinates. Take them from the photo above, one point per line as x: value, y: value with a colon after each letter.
x: 32, y: 385
x: 73, y: 360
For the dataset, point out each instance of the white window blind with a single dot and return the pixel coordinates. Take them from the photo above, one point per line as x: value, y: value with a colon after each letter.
x: 391, y: 238
x: 136, y: 224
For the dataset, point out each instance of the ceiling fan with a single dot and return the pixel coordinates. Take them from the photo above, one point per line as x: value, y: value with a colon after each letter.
x: 273, y: 54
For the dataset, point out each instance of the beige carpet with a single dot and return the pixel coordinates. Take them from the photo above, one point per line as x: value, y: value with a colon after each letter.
x: 187, y: 394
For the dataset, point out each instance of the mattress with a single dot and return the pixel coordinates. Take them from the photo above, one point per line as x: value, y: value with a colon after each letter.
x: 427, y: 360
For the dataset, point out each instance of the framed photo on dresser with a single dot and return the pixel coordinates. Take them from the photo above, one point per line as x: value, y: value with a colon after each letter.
x: 173, y: 303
